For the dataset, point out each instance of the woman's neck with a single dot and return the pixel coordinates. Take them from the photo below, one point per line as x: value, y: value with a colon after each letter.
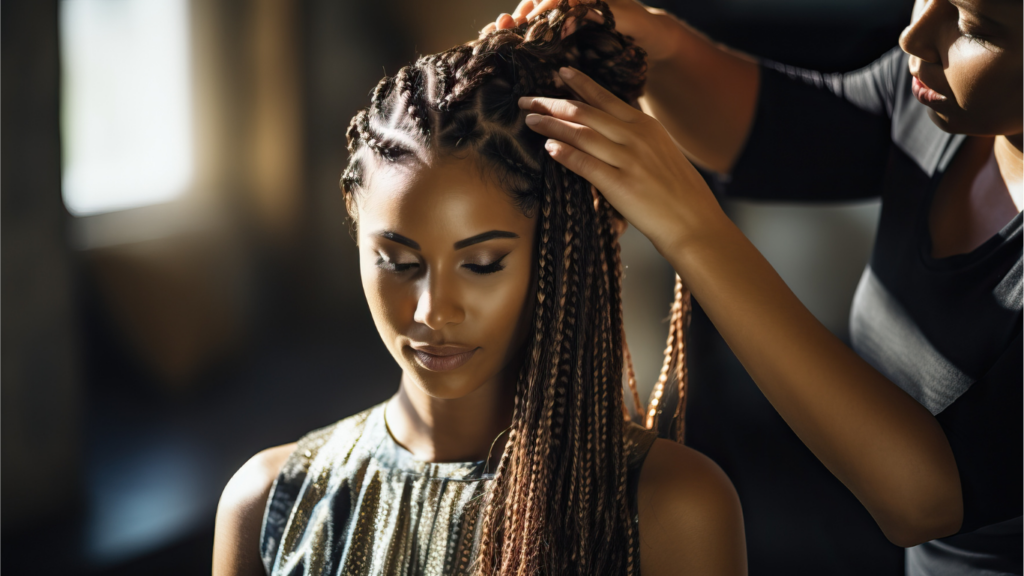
x: 1010, y: 159
x: 452, y: 430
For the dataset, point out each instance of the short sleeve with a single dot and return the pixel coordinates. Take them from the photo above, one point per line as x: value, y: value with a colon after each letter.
x: 983, y: 427
x: 819, y: 136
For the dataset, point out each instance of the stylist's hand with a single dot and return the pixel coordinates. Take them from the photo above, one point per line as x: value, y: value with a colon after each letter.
x: 647, y: 26
x: 630, y: 158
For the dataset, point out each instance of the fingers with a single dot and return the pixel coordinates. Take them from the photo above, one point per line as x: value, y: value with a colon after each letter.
x: 544, y: 6
x: 524, y: 8
x: 597, y: 96
x: 569, y: 27
x: 488, y: 29
x: 580, y: 137
x: 504, y: 22
x: 601, y: 175
x: 578, y: 113
x: 529, y: 9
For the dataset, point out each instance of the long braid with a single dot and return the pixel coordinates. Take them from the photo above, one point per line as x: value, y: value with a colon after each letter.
x: 545, y: 290
x: 654, y: 404
x: 638, y: 406
x: 682, y: 296
x: 617, y: 514
x: 600, y: 373
x: 537, y: 495
x: 583, y: 306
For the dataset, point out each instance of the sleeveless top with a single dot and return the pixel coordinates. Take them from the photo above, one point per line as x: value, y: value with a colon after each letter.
x: 351, y: 500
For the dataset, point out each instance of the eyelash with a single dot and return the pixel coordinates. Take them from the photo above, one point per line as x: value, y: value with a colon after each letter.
x: 491, y: 268
x: 968, y: 35
x: 389, y: 266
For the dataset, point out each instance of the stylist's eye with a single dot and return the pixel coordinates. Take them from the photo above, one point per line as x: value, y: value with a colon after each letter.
x: 486, y: 268
x: 384, y: 263
x: 970, y: 32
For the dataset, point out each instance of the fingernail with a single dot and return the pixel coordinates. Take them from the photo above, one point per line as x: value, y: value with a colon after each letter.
x: 525, y: 101
x: 567, y: 72
x: 551, y: 147
x: 532, y: 119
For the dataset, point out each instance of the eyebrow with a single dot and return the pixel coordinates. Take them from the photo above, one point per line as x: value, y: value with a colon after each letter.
x: 484, y: 238
x: 491, y: 235
x: 975, y: 11
x: 395, y: 237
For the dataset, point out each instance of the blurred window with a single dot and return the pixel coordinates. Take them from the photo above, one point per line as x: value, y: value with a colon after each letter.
x: 126, y: 103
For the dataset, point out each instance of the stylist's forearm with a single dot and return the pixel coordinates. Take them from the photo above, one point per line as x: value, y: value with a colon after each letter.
x: 703, y: 93
x: 883, y: 445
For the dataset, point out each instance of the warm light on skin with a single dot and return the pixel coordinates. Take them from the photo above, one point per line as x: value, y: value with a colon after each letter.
x: 436, y: 295
x: 970, y: 52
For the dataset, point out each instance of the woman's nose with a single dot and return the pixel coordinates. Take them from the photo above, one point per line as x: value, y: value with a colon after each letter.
x: 921, y: 37
x: 438, y: 306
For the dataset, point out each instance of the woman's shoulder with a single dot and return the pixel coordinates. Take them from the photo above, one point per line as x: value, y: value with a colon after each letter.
x: 690, y: 518
x: 243, y: 503
x: 236, y: 546
x: 254, y: 479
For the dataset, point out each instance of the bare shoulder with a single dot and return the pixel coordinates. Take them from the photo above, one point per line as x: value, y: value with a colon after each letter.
x: 690, y: 516
x: 240, y: 513
x: 253, y: 480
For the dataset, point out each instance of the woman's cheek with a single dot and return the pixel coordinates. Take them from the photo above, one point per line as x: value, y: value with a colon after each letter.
x: 383, y: 298
x: 505, y: 305
x: 969, y: 64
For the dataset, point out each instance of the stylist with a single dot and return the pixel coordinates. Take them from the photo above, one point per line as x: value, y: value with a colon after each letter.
x: 922, y: 419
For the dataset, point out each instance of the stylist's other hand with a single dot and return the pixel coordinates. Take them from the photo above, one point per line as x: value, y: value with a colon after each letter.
x: 647, y: 26
x: 630, y: 158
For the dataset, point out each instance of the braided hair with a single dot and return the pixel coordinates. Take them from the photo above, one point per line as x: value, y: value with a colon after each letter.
x: 558, y: 502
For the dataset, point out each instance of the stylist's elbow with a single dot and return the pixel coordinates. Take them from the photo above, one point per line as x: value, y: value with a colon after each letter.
x: 918, y: 519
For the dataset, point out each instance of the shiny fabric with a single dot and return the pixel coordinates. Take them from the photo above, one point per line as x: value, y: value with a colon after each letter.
x: 350, y: 500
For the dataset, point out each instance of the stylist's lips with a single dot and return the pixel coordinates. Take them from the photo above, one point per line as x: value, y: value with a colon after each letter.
x: 925, y: 94
x: 442, y: 358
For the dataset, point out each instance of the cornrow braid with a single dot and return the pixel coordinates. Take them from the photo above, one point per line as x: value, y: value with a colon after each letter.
x: 410, y: 90
x: 558, y: 502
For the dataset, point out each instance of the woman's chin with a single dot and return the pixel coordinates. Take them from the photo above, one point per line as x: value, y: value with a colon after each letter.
x: 942, y: 121
x: 441, y: 386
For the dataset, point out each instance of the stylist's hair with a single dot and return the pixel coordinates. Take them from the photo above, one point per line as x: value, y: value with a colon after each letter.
x: 558, y: 502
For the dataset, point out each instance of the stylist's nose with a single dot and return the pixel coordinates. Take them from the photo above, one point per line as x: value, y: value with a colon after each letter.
x: 437, y: 306
x: 920, y: 38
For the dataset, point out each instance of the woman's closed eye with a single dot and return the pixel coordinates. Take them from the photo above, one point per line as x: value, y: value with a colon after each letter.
x: 389, y: 265
x: 968, y: 28
x: 491, y: 268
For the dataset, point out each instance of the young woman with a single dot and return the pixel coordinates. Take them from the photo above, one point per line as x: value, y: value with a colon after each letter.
x: 492, y: 274
x: 923, y: 422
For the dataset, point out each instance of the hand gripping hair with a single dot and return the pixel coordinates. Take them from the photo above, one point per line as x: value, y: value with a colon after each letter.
x: 558, y: 502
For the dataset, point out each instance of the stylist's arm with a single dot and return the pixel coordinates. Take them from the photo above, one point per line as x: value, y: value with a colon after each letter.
x: 884, y: 446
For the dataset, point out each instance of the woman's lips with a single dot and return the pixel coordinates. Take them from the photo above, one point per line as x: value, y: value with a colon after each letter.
x: 442, y: 358
x: 925, y: 94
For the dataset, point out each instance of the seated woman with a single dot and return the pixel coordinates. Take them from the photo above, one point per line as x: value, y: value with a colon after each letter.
x: 493, y: 277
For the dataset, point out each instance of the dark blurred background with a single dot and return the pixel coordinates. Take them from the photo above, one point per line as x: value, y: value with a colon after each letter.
x: 179, y: 288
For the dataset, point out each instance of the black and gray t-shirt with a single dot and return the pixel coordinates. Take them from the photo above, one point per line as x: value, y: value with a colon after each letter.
x: 946, y: 330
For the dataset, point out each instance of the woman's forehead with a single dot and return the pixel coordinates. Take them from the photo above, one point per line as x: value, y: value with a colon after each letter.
x: 444, y: 201
x: 1003, y: 12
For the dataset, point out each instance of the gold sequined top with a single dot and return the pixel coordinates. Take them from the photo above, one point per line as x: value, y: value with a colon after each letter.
x: 351, y: 501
